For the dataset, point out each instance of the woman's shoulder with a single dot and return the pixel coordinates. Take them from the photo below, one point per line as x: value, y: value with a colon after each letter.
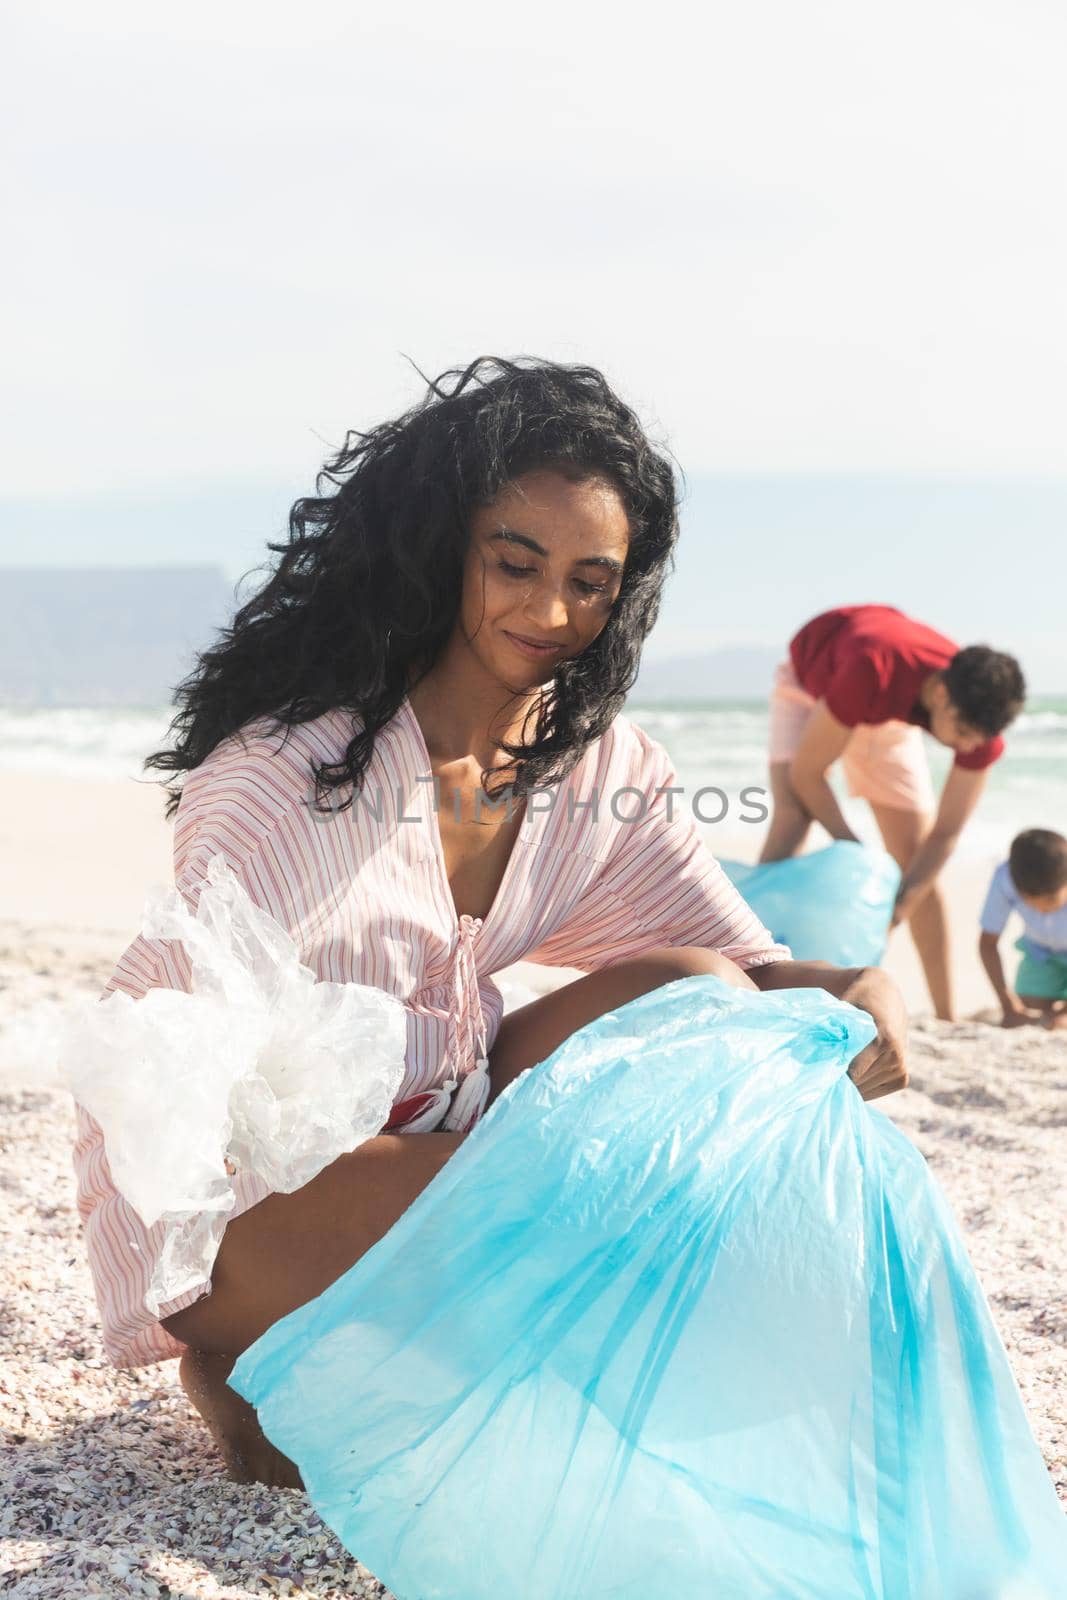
x: 627, y: 747
x: 264, y: 771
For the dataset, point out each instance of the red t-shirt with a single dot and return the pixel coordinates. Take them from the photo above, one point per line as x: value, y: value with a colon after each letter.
x: 869, y: 662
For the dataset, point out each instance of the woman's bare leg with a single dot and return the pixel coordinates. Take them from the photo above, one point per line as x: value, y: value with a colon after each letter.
x: 288, y: 1248
x: 276, y: 1256
x: 530, y: 1033
x: 247, y: 1453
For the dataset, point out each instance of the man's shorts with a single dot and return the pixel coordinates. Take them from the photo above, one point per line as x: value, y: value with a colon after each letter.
x: 1044, y: 977
x: 884, y: 762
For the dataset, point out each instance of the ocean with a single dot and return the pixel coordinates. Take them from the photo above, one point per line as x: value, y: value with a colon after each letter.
x: 716, y: 745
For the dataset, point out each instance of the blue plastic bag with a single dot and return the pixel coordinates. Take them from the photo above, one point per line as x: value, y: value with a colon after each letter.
x: 830, y: 905
x: 682, y: 1319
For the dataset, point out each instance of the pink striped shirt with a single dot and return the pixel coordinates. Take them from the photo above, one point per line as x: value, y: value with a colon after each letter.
x: 365, y: 896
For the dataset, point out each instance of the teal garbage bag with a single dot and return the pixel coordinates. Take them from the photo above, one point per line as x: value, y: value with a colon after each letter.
x: 682, y: 1318
x: 829, y: 905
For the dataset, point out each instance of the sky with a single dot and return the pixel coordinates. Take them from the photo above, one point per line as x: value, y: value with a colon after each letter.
x: 807, y: 242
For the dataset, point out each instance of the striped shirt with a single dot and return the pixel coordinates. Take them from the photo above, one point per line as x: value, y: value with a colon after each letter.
x: 606, y: 865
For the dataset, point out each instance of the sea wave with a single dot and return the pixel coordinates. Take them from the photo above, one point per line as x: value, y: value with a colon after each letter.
x: 717, y: 745
x: 1041, y: 723
x: 81, y: 741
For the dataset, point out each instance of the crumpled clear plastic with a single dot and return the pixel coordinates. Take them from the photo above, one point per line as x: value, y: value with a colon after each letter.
x: 683, y: 1317
x: 830, y: 905
x: 259, y: 1067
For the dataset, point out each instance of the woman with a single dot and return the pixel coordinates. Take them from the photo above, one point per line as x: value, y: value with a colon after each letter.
x: 464, y: 603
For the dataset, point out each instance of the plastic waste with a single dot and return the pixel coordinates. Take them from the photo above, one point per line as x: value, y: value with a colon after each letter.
x: 682, y: 1317
x: 829, y: 905
x: 259, y: 1066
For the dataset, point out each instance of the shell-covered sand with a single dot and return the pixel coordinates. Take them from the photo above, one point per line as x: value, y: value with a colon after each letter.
x: 111, y: 1486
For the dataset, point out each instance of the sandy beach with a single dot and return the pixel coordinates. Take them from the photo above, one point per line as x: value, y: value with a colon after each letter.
x: 113, y: 1485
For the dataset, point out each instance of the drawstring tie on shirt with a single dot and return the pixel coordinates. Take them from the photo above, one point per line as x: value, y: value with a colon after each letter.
x: 462, y: 1112
x: 473, y: 1091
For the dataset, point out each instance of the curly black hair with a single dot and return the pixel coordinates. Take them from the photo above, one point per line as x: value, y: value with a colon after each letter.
x: 987, y: 688
x: 369, y: 583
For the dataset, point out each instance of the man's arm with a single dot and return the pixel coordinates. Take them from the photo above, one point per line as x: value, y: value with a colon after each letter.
x: 881, y: 1066
x: 823, y: 741
x: 959, y: 797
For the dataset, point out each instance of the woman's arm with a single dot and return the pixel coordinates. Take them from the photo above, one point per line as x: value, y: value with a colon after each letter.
x: 663, y: 886
x: 881, y: 1067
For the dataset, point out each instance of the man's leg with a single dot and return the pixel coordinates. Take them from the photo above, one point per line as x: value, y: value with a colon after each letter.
x: 790, y: 709
x: 903, y: 832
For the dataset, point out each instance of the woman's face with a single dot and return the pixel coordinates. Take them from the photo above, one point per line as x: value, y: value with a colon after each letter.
x: 543, y: 567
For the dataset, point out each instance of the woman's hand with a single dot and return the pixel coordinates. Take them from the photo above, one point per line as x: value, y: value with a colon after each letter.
x: 881, y: 1067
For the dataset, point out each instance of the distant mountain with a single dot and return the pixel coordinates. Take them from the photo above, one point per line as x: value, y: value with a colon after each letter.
x: 126, y: 635
x: 223, y: 524
x: 759, y: 554
x: 740, y: 672
x: 105, y: 636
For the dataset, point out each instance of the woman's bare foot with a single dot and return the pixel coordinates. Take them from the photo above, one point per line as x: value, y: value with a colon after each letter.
x: 248, y: 1454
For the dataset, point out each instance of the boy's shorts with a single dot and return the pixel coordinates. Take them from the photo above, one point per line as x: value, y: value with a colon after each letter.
x: 884, y: 762
x: 1044, y: 977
